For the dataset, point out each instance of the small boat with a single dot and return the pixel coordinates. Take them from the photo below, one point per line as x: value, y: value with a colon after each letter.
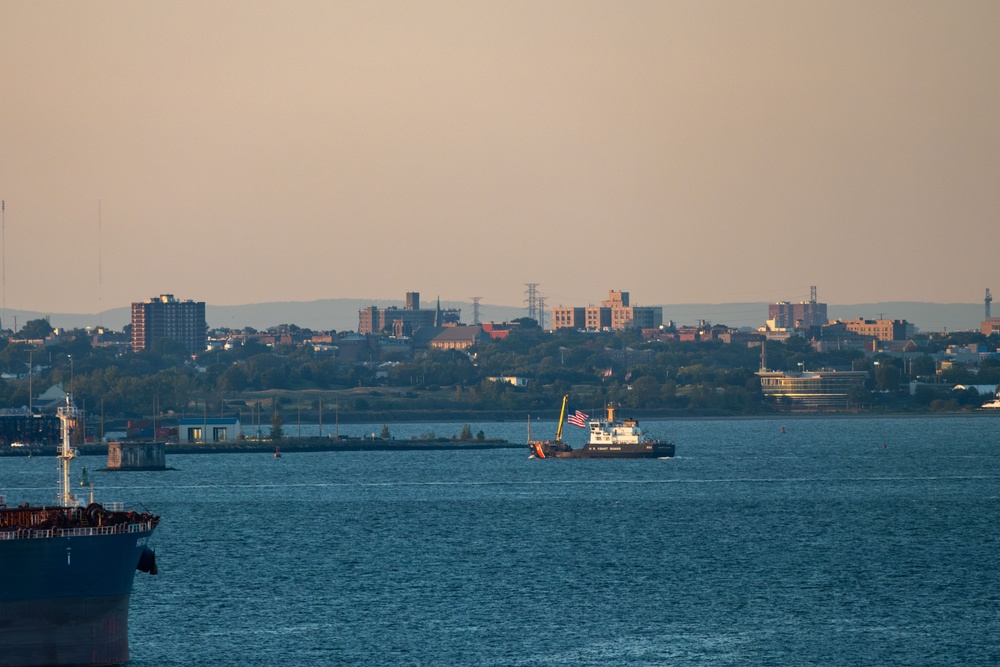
x: 609, y: 439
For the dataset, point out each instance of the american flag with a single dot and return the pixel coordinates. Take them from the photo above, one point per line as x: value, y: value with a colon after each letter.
x: 628, y: 376
x: 578, y: 419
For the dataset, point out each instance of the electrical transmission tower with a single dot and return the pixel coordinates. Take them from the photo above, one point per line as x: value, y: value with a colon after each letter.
x: 541, y: 311
x: 531, y: 299
x: 475, y: 309
x: 987, y: 301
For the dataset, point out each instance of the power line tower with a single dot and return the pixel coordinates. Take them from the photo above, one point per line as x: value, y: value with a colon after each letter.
x: 475, y: 309
x: 988, y: 299
x: 531, y: 299
x: 541, y: 311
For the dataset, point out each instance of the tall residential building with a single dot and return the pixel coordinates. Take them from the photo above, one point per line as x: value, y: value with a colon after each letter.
x: 167, y: 317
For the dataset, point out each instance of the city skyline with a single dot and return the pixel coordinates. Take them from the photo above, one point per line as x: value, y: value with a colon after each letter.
x: 716, y: 152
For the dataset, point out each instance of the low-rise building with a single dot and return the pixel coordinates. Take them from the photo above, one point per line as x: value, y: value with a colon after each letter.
x: 881, y: 329
x: 810, y: 389
x: 457, y: 338
x: 613, y: 314
x: 404, y: 320
x: 208, y: 429
x: 499, y: 330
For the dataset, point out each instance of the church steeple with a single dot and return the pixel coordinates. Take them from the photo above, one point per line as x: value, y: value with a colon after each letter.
x: 437, y: 313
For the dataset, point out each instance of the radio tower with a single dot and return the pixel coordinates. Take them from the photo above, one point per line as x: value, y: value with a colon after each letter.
x: 988, y: 299
x: 475, y: 309
x: 541, y: 312
x: 532, y: 300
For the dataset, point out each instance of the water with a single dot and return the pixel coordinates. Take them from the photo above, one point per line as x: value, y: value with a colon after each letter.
x: 841, y: 541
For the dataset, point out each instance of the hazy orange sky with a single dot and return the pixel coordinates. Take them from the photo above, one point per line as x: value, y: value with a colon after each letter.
x: 683, y: 151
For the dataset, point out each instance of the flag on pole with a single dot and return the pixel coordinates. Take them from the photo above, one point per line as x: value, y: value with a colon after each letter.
x: 578, y: 419
x: 628, y: 376
x: 607, y: 373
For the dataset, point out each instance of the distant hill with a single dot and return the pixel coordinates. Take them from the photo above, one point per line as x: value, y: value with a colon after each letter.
x: 342, y: 314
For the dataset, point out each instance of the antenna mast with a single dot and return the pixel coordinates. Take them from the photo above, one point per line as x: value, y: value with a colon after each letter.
x: 100, y: 272
x: 3, y: 241
x: 988, y: 299
x: 475, y: 309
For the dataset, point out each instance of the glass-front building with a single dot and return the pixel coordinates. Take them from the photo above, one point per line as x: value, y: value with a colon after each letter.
x: 818, y: 389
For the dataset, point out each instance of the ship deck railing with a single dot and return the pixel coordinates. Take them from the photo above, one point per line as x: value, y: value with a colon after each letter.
x: 82, y: 531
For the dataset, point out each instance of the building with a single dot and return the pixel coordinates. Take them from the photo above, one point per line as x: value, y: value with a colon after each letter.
x: 879, y: 329
x: 499, y: 330
x: 404, y: 321
x: 27, y: 428
x: 614, y: 314
x: 569, y: 318
x: 166, y: 317
x: 457, y: 338
x: 990, y: 326
x: 202, y: 430
x: 811, y: 390
x: 514, y: 380
x: 785, y: 315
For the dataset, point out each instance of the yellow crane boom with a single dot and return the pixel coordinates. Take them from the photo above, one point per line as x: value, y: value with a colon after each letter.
x: 562, y: 417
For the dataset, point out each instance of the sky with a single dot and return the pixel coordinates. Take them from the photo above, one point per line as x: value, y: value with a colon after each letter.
x: 685, y: 152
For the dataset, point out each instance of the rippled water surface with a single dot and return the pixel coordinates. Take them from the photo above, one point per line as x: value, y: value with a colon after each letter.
x: 839, y: 541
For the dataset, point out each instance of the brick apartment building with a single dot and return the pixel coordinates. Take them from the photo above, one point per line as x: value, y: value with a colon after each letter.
x: 166, y: 317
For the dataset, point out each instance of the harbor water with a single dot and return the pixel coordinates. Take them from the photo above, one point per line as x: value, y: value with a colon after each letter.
x: 840, y: 541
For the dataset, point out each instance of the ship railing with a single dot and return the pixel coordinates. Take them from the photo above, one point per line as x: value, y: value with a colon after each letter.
x: 83, y: 531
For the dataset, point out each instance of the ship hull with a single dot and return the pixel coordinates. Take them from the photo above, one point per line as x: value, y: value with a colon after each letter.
x: 65, y: 599
x: 67, y: 631
x: 642, y: 450
x: 645, y: 450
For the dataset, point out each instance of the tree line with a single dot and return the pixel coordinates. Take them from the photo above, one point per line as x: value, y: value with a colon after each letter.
x: 686, y: 377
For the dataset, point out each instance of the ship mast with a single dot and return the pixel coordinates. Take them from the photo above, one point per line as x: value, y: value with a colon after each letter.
x: 68, y: 416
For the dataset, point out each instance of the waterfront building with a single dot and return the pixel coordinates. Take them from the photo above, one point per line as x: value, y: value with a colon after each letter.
x: 208, y: 429
x: 810, y: 389
x: 166, y: 317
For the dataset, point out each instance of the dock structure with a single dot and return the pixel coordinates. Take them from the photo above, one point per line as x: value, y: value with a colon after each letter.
x: 137, y: 456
